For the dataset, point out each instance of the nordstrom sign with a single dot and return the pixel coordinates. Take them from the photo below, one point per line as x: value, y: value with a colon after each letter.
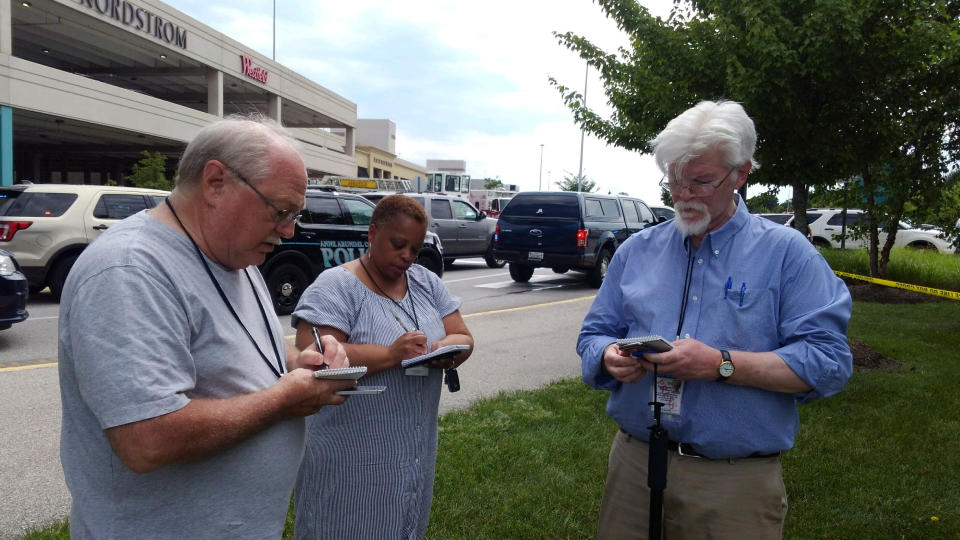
x: 139, y: 19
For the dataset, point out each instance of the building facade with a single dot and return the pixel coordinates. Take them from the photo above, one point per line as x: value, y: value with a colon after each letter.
x: 87, y: 85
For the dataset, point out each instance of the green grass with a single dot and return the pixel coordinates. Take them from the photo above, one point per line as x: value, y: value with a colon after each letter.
x: 915, y: 266
x: 879, y: 460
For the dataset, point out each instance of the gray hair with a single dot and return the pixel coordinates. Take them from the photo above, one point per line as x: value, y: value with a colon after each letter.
x: 722, y: 125
x: 242, y: 142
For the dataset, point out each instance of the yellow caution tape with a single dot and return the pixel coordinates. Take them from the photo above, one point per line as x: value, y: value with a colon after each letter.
x: 953, y: 295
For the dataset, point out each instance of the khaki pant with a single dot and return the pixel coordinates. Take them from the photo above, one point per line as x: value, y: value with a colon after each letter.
x: 704, y: 499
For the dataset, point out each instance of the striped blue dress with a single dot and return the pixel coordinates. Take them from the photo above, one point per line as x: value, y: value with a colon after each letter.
x: 369, y: 463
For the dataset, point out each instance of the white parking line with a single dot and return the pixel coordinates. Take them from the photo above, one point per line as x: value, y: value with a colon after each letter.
x: 475, y: 277
x: 533, y: 279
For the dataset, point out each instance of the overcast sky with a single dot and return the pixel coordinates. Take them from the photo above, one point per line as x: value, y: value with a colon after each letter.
x: 462, y: 80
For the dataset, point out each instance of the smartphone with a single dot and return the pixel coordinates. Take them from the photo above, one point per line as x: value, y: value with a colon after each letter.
x: 644, y: 344
x: 362, y: 391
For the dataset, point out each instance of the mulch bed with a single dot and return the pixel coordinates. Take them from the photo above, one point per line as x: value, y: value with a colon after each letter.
x: 865, y: 358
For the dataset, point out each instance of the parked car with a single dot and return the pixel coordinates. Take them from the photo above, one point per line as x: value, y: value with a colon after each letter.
x: 663, y: 213
x: 566, y: 230
x: 464, y: 231
x: 826, y: 227
x: 13, y: 291
x: 780, y: 218
x: 331, y: 231
x: 46, y: 226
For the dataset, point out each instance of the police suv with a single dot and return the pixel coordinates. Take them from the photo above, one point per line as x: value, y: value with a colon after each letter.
x: 331, y: 232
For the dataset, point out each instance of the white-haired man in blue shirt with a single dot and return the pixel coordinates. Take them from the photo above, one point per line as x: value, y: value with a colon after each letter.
x: 759, y: 322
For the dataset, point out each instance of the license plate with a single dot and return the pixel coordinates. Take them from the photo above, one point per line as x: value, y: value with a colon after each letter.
x: 535, y: 256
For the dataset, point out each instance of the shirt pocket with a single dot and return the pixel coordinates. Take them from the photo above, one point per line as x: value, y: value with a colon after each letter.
x: 747, y: 320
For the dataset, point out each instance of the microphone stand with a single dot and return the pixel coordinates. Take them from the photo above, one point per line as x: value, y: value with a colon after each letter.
x: 656, y: 465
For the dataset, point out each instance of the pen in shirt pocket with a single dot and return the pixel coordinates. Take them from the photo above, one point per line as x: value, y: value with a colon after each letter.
x: 743, y: 290
x: 726, y: 288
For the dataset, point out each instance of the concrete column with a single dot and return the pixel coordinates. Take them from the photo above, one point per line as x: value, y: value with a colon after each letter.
x: 214, y: 92
x: 6, y: 135
x: 6, y: 28
x: 274, y: 107
x: 348, y: 144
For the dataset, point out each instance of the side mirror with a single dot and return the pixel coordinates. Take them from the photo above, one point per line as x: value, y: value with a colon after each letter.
x: 482, y: 215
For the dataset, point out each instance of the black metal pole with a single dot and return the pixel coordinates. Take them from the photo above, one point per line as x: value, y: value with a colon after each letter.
x: 657, y: 466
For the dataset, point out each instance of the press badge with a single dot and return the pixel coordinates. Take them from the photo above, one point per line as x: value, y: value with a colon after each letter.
x: 417, y: 371
x: 670, y: 393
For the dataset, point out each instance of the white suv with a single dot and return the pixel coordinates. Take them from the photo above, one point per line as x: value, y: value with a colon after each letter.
x: 46, y: 226
x: 826, y: 227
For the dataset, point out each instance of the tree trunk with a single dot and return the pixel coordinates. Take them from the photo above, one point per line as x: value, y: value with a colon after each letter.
x: 800, y: 198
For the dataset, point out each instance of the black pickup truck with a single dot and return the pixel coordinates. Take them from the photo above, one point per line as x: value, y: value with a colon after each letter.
x: 566, y: 230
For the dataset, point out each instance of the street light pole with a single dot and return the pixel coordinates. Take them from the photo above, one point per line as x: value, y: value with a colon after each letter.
x: 582, y: 130
x: 274, y: 30
x: 540, y: 185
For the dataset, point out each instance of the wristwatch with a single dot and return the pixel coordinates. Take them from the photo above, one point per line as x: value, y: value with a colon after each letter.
x: 725, y: 369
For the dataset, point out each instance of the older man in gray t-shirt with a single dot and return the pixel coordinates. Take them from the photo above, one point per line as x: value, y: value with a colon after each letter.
x: 182, y: 403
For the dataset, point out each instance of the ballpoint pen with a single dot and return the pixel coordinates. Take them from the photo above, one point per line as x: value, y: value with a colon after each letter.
x: 743, y: 290
x: 399, y: 321
x: 316, y: 340
x: 727, y: 287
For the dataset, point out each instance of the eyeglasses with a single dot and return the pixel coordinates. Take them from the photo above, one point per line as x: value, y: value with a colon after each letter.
x: 280, y: 216
x: 697, y: 189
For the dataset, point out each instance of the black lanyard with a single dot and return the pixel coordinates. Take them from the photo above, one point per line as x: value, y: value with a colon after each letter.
x: 278, y: 370
x: 413, y: 306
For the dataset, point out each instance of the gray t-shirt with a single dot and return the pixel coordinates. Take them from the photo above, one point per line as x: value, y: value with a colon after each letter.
x: 143, y: 331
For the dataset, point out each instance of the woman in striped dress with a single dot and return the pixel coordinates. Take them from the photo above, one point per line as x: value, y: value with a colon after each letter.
x: 369, y: 464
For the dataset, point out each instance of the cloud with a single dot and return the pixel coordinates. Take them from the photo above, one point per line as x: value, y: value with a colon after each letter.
x: 462, y: 80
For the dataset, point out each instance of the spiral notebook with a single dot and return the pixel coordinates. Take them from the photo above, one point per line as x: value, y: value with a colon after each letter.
x: 443, y: 352
x: 341, y: 373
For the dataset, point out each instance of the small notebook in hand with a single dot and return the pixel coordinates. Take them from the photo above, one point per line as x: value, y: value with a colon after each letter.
x: 341, y: 373
x: 443, y: 352
x: 652, y: 343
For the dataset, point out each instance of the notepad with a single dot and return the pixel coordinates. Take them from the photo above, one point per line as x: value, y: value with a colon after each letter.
x: 341, y: 373
x: 644, y: 344
x: 443, y: 352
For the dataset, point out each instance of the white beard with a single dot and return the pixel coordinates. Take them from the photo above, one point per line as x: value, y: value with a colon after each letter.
x: 694, y: 228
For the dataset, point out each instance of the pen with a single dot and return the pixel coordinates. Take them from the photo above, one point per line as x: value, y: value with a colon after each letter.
x: 316, y: 340
x: 400, y: 321
x: 743, y: 289
x: 727, y: 287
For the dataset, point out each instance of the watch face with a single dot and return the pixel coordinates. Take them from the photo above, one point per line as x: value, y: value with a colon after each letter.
x: 726, y: 369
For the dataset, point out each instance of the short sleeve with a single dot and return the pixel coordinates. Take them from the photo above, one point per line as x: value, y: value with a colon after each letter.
x: 129, y: 342
x: 331, y: 300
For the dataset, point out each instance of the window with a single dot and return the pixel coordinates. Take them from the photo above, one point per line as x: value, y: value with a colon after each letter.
x: 593, y: 208
x: 362, y: 172
x: 611, y: 208
x: 23, y: 204
x: 322, y: 210
x: 360, y: 212
x: 548, y: 205
x: 630, y: 211
x: 646, y: 215
x: 837, y: 219
x: 464, y: 211
x: 117, y: 206
x: 440, y: 209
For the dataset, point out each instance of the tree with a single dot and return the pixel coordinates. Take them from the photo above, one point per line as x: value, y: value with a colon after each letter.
x: 493, y: 183
x: 575, y: 182
x: 837, y: 88
x: 765, y: 202
x: 150, y: 172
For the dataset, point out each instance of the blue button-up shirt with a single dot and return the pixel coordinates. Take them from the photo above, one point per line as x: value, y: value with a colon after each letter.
x: 755, y: 285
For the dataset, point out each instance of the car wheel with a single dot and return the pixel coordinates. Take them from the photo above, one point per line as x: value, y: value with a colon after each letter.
x: 560, y: 269
x: 492, y: 261
x: 922, y: 245
x: 595, y: 277
x: 521, y: 273
x: 431, y: 261
x: 286, y: 282
x: 59, y: 275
